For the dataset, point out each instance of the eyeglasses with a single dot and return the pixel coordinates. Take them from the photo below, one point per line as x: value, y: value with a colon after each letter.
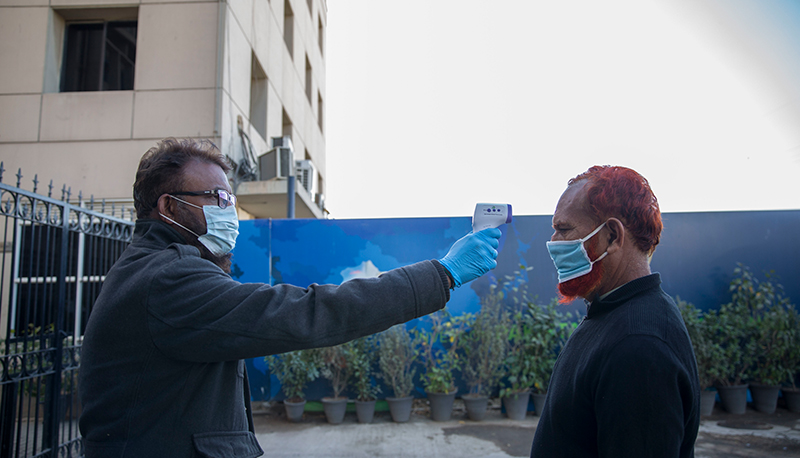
x: 224, y: 198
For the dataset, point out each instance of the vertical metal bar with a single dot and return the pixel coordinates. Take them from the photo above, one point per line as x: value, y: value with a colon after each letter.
x: 79, y: 285
x: 50, y: 436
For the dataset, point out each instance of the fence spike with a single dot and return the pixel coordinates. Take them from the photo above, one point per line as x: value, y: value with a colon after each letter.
x: 80, y: 198
x: 103, y: 207
x: 2, y: 169
x: 35, y: 182
x: 91, y: 202
x: 112, y: 209
x: 19, y: 176
x: 50, y: 190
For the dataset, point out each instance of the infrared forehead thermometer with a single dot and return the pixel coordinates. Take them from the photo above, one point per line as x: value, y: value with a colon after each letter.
x: 490, y: 215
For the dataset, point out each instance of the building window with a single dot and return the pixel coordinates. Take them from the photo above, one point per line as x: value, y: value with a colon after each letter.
x: 320, y: 111
x: 309, y: 81
x: 288, y: 27
x: 258, y: 98
x: 99, y: 57
x: 286, y: 131
x: 320, y: 35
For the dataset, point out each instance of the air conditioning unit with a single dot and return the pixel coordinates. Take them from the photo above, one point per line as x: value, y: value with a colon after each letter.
x: 306, y: 175
x: 277, y: 162
x: 282, y: 142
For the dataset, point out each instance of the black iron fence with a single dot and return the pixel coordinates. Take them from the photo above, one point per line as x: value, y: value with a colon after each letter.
x: 55, y: 255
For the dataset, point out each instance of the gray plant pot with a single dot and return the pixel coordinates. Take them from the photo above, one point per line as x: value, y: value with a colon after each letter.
x: 792, y: 397
x: 734, y: 398
x: 441, y: 405
x: 365, y: 411
x: 517, y: 405
x: 538, y: 402
x: 476, y: 405
x: 294, y: 410
x: 707, y: 400
x: 400, y: 408
x: 765, y: 397
x: 334, y: 409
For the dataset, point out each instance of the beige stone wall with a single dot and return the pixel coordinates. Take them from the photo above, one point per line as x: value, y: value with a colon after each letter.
x: 192, y: 78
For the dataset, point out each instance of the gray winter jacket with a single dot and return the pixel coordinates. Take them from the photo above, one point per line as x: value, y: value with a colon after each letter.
x: 161, y: 365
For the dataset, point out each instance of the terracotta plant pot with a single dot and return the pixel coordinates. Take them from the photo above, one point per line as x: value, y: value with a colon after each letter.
x: 294, y: 410
x: 517, y: 405
x: 765, y: 397
x: 476, y: 405
x: 734, y: 398
x: 334, y: 408
x: 400, y: 408
x: 441, y: 405
x: 365, y: 411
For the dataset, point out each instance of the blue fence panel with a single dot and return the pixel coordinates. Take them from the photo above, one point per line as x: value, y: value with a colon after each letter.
x: 696, y: 257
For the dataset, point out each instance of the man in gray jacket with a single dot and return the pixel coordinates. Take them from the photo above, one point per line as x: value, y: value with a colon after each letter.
x: 162, y: 371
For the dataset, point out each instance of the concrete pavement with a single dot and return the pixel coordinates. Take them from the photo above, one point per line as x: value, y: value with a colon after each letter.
x: 721, y: 435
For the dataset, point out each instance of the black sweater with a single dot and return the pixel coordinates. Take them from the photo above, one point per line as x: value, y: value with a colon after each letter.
x: 625, y: 384
x: 161, y: 366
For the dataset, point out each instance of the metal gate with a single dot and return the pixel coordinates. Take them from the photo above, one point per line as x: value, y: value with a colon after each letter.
x: 55, y: 256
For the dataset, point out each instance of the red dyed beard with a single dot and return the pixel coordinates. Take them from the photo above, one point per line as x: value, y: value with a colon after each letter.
x: 584, y: 285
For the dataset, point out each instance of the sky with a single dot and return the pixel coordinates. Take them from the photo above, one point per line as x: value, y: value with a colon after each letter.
x: 436, y: 105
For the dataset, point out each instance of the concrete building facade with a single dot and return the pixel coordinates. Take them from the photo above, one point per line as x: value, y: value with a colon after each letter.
x: 87, y: 86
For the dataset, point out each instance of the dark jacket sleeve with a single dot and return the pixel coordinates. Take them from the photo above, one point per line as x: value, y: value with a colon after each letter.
x: 198, y: 313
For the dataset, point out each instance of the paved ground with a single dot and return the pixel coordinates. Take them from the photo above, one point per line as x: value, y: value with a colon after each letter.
x: 721, y: 435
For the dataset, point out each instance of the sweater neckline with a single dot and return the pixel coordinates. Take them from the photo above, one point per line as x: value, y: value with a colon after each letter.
x: 623, y: 294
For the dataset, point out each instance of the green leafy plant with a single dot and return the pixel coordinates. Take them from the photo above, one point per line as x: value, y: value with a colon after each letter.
x: 295, y: 370
x: 485, y: 344
x: 792, y: 362
x: 396, y: 357
x: 708, y: 353
x: 362, y: 354
x: 536, y: 335
x: 549, y: 330
x: 335, y: 367
x: 771, y: 325
x: 438, y: 349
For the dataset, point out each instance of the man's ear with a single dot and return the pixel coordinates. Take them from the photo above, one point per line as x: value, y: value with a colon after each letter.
x: 616, y: 237
x: 166, y: 206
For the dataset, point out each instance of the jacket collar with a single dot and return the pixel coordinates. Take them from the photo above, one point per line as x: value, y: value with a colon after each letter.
x: 623, y: 294
x: 155, y: 232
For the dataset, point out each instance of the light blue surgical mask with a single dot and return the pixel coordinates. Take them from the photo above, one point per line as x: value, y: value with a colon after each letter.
x: 222, y: 227
x: 571, y: 258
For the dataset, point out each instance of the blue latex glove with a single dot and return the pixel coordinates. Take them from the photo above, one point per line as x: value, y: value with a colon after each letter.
x: 472, y: 255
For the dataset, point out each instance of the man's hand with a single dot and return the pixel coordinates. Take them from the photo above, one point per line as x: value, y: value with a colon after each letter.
x: 472, y: 255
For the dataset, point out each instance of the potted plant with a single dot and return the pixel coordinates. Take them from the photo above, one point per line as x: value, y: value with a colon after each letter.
x: 396, y: 357
x: 707, y: 352
x: 336, y: 369
x: 733, y: 330
x: 548, y: 330
x: 438, y: 349
x: 771, y: 329
x: 519, y: 364
x: 791, y: 364
x: 484, y: 348
x: 294, y: 371
x: 361, y: 355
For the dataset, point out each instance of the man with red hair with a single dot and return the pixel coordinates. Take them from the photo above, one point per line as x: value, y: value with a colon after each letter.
x: 625, y: 384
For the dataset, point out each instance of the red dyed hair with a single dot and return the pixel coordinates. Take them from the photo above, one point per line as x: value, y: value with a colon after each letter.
x: 619, y: 192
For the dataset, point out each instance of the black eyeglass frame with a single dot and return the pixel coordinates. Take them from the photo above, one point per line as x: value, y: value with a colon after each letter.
x: 224, y: 198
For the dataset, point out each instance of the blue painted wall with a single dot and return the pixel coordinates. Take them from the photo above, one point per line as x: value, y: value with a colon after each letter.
x: 696, y: 257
